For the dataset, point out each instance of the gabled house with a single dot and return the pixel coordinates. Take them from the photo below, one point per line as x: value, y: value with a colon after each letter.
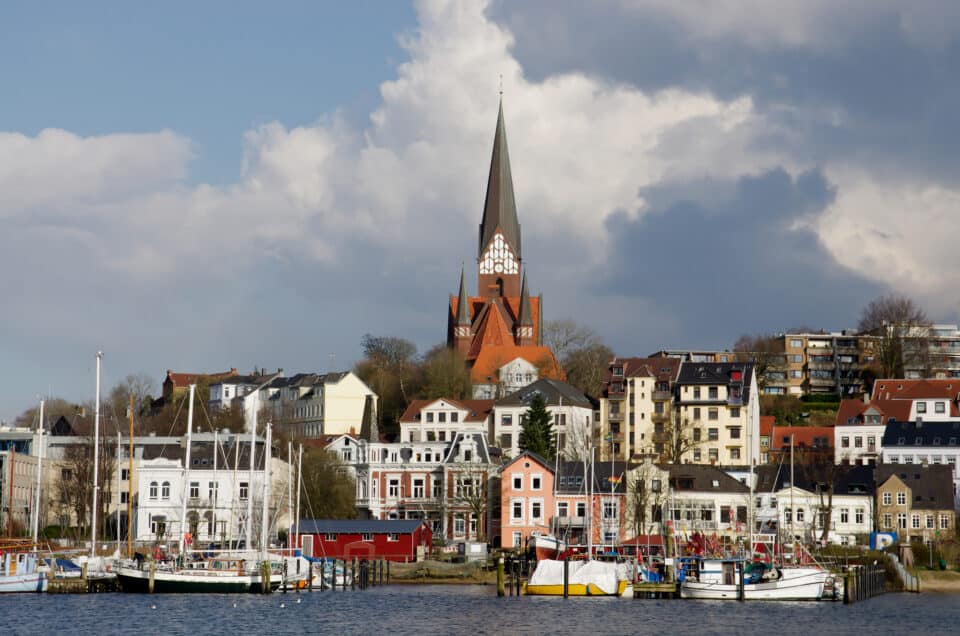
x: 915, y: 501
x: 441, y: 419
x: 526, y: 499
x: 394, y: 540
x: 925, y: 443
x: 810, y: 444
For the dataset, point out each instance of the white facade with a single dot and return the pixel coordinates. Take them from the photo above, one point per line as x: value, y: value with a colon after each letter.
x: 799, y: 511
x: 512, y: 376
x: 440, y: 420
x: 857, y: 443
x: 571, y: 425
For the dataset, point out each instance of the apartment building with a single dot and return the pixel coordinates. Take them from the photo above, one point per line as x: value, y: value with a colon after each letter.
x: 718, y: 411
x: 818, y: 363
x: 636, y: 403
x: 916, y: 502
x: 572, y: 412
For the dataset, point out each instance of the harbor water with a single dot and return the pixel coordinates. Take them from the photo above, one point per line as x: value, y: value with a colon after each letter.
x: 449, y: 609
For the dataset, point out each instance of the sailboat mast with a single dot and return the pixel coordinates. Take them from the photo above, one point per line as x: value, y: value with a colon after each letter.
x: 299, y: 475
x: 119, y: 442
x: 96, y: 463
x: 233, y: 498
x: 289, y: 492
x: 186, y: 473
x: 216, y: 483
x: 792, y: 509
x: 130, y: 487
x: 36, y: 502
x: 248, y: 529
x: 265, y: 520
x: 588, y: 470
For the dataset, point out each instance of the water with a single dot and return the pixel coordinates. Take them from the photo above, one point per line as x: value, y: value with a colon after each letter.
x: 445, y: 609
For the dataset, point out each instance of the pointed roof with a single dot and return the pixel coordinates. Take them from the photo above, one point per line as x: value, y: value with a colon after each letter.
x: 526, y: 316
x: 499, y: 209
x: 463, y: 307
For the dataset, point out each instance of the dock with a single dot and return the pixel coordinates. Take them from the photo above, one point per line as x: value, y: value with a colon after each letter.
x: 656, y: 590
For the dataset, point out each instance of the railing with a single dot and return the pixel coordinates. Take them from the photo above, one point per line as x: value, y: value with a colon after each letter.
x: 662, y: 395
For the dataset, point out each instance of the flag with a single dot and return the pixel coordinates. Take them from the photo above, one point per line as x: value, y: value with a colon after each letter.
x: 614, y: 479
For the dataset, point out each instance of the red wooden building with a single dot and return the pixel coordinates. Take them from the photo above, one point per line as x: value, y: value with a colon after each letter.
x: 401, y: 540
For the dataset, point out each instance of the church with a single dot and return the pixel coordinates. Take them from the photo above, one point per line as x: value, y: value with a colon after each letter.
x: 499, y: 331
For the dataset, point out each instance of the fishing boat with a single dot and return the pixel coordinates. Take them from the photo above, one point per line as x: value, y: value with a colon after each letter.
x: 546, y: 546
x: 20, y: 571
x: 584, y: 578
x: 720, y: 579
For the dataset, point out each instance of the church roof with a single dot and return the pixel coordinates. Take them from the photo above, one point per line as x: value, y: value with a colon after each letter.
x: 463, y: 310
x: 525, y: 318
x: 490, y: 358
x: 499, y: 208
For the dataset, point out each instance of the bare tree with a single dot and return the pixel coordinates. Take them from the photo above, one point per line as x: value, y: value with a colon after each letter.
x: 646, y: 493
x: 766, y: 353
x: 675, y: 438
x: 470, y: 492
x: 902, y: 332
x: 73, y: 487
x: 445, y: 374
x: 566, y: 336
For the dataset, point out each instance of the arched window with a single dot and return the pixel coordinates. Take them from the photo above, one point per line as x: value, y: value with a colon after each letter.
x: 165, y: 491
x: 500, y: 287
x: 153, y: 490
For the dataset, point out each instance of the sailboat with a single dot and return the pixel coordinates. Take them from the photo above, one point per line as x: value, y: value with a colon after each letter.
x: 228, y: 571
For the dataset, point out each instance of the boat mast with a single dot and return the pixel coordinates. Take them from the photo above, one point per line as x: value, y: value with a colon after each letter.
x: 792, y: 509
x: 589, y: 503
x: 36, y: 503
x: 265, y: 520
x: 96, y: 463
x: 233, y: 496
x: 289, y: 493
x: 130, y: 488
x: 248, y: 529
x: 119, y: 442
x: 216, y: 483
x: 750, y: 477
x: 186, y: 473
x: 299, y: 475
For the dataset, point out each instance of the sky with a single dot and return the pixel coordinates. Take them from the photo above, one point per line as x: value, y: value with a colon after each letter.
x: 200, y: 186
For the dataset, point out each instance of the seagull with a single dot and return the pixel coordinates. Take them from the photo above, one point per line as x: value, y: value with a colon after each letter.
x: 282, y: 605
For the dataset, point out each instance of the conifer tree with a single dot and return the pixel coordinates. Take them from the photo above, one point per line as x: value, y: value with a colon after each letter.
x: 537, y: 432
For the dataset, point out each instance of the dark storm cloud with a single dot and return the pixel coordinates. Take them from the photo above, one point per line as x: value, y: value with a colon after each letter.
x: 867, y: 91
x: 735, y: 264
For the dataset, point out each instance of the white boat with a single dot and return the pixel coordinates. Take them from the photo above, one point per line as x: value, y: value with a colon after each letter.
x: 546, y: 546
x: 19, y: 572
x: 584, y: 578
x: 719, y: 579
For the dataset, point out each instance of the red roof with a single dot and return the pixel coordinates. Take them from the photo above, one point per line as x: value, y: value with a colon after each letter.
x: 893, y: 389
x: 184, y: 379
x: 803, y: 437
x: 491, y: 358
x: 477, y: 410
x: 766, y: 424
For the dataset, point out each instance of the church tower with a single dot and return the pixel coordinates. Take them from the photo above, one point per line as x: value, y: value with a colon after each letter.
x: 499, y: 331
x: 498, y: 256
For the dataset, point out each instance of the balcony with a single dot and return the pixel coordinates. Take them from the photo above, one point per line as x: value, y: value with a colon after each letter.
x: 815, y: 381
x: 735, y: 400
x: 615, y: 417
x: 566, y: 521
x: 660, y: 417
x: 660, y: 396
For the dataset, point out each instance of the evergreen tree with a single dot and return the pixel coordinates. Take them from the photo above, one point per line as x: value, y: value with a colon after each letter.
x: 537, y: 432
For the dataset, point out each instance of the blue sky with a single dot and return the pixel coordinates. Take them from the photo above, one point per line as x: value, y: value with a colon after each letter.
x: 199, y: 186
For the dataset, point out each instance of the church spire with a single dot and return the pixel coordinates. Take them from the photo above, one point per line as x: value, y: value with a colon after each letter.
x: 499, y: 209
x: 463, y: 309
x: 525, y: 317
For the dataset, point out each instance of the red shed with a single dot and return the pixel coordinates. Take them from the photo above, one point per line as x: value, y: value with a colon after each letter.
x: 395, y: 540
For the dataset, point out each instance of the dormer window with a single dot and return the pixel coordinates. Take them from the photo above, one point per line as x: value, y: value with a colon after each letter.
x: 921, y: 407
x: 936, y: 441
x: 618, y: 371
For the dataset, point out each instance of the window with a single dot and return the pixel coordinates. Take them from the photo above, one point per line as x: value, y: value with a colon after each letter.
x: 944, y: 521
x: 800, y: 515
x: 516, y: 511
x: 194, y: 489
x: 442, y: 417
x: 887, y: 520
x: 459, y: 525
x: 418, y: 489
x: 696, y: 393
x: 581, y: 509
x: 330, y: 536
x: 714, y: 454
x: 939, y: 407
x: 535, y: 481
x: 244, y: 490
x: 713, y: 414
x: 123, y: 497
x: 562, y: 508
x: 366, y: 536
x: 518, y: 539
x: 430, y: 417
x: 858, y: 442
x: 696, y: 412
x: 713, y: 434
x: 536, y: 511
x: 901, y: 498
x: 902, y: 520
x: 696, y: 434
x: 393, y: 536
x: 735, y: 411
x: 921, y: 407
x: 735, y: 453
x: 393, y: 488
x: 887, y: 499
x: 153, y: 490
x: 844, y: 515
x: 165, y: 490
x: 796, y: 343
x: 845, y: 442
x: 506, y: 419
x: 915, y: 521
x: 609, y: 509
x: 930, y: 522
x: 655, y: 485
x: 858, y: 517
x: 125, y: 474
x: 712, y: 393
x: 212, y: 490
x: 796, y: 373
x: 735, y: 432
x: 454, y: 417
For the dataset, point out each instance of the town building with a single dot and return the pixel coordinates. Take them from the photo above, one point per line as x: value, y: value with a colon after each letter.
x: 446, y: 483
x: 176, y: 384
x: 441, y: 419
x: 572, y: 412
x: 590, y: 505
x: 372, y: 539
x: 718, y: 412
x: 526, y: 499
x: 766, y: 430
x: 916, y: 502
x: 18, y: 487
x: 636, y: 406
x: 308, y: 405
x: 807, y: 363
x: 499, y: 332
x: 925, y: 443
x: 806, y: 444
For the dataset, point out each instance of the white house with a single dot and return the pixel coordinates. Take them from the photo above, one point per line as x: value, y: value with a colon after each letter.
x: 440, y: 419
x: 572, y: 412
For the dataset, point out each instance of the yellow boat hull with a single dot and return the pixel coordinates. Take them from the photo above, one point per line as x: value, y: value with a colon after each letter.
x: 573, y: 589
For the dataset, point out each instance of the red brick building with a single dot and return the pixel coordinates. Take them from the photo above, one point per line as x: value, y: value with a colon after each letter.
x: 393, y: 540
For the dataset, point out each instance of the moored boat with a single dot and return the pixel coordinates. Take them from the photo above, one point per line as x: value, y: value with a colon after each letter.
x: 19, y: 572
x: 719, y: 579
x: 546, y: 546
x: 584, y: 578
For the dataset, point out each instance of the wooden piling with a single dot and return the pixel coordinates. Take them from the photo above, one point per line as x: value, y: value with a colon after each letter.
x: 500, y: 577
x: 153, y: 573
x: 566, y: 577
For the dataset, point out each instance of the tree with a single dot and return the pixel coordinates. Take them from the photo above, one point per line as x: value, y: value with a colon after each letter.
x: 73, y: 487
x: 566, y: 336
x: 470, y: 491
x: 902, y: 332
x: 646, y: 493
x: 537, y: 433
x: 328, y: 490
x: 822, y: 473
x: 677, y: 437
x: 586, y: 368
x: 139, y: 386
x: 389, y: 367
x: 444, y: 374
x: 766, y: 353
x: 53, y: 409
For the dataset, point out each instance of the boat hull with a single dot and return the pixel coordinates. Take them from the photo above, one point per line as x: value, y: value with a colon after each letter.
x: 164, y: 582
x: 30, y: 582
x: 574, y: 589
x: 806, y: 587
